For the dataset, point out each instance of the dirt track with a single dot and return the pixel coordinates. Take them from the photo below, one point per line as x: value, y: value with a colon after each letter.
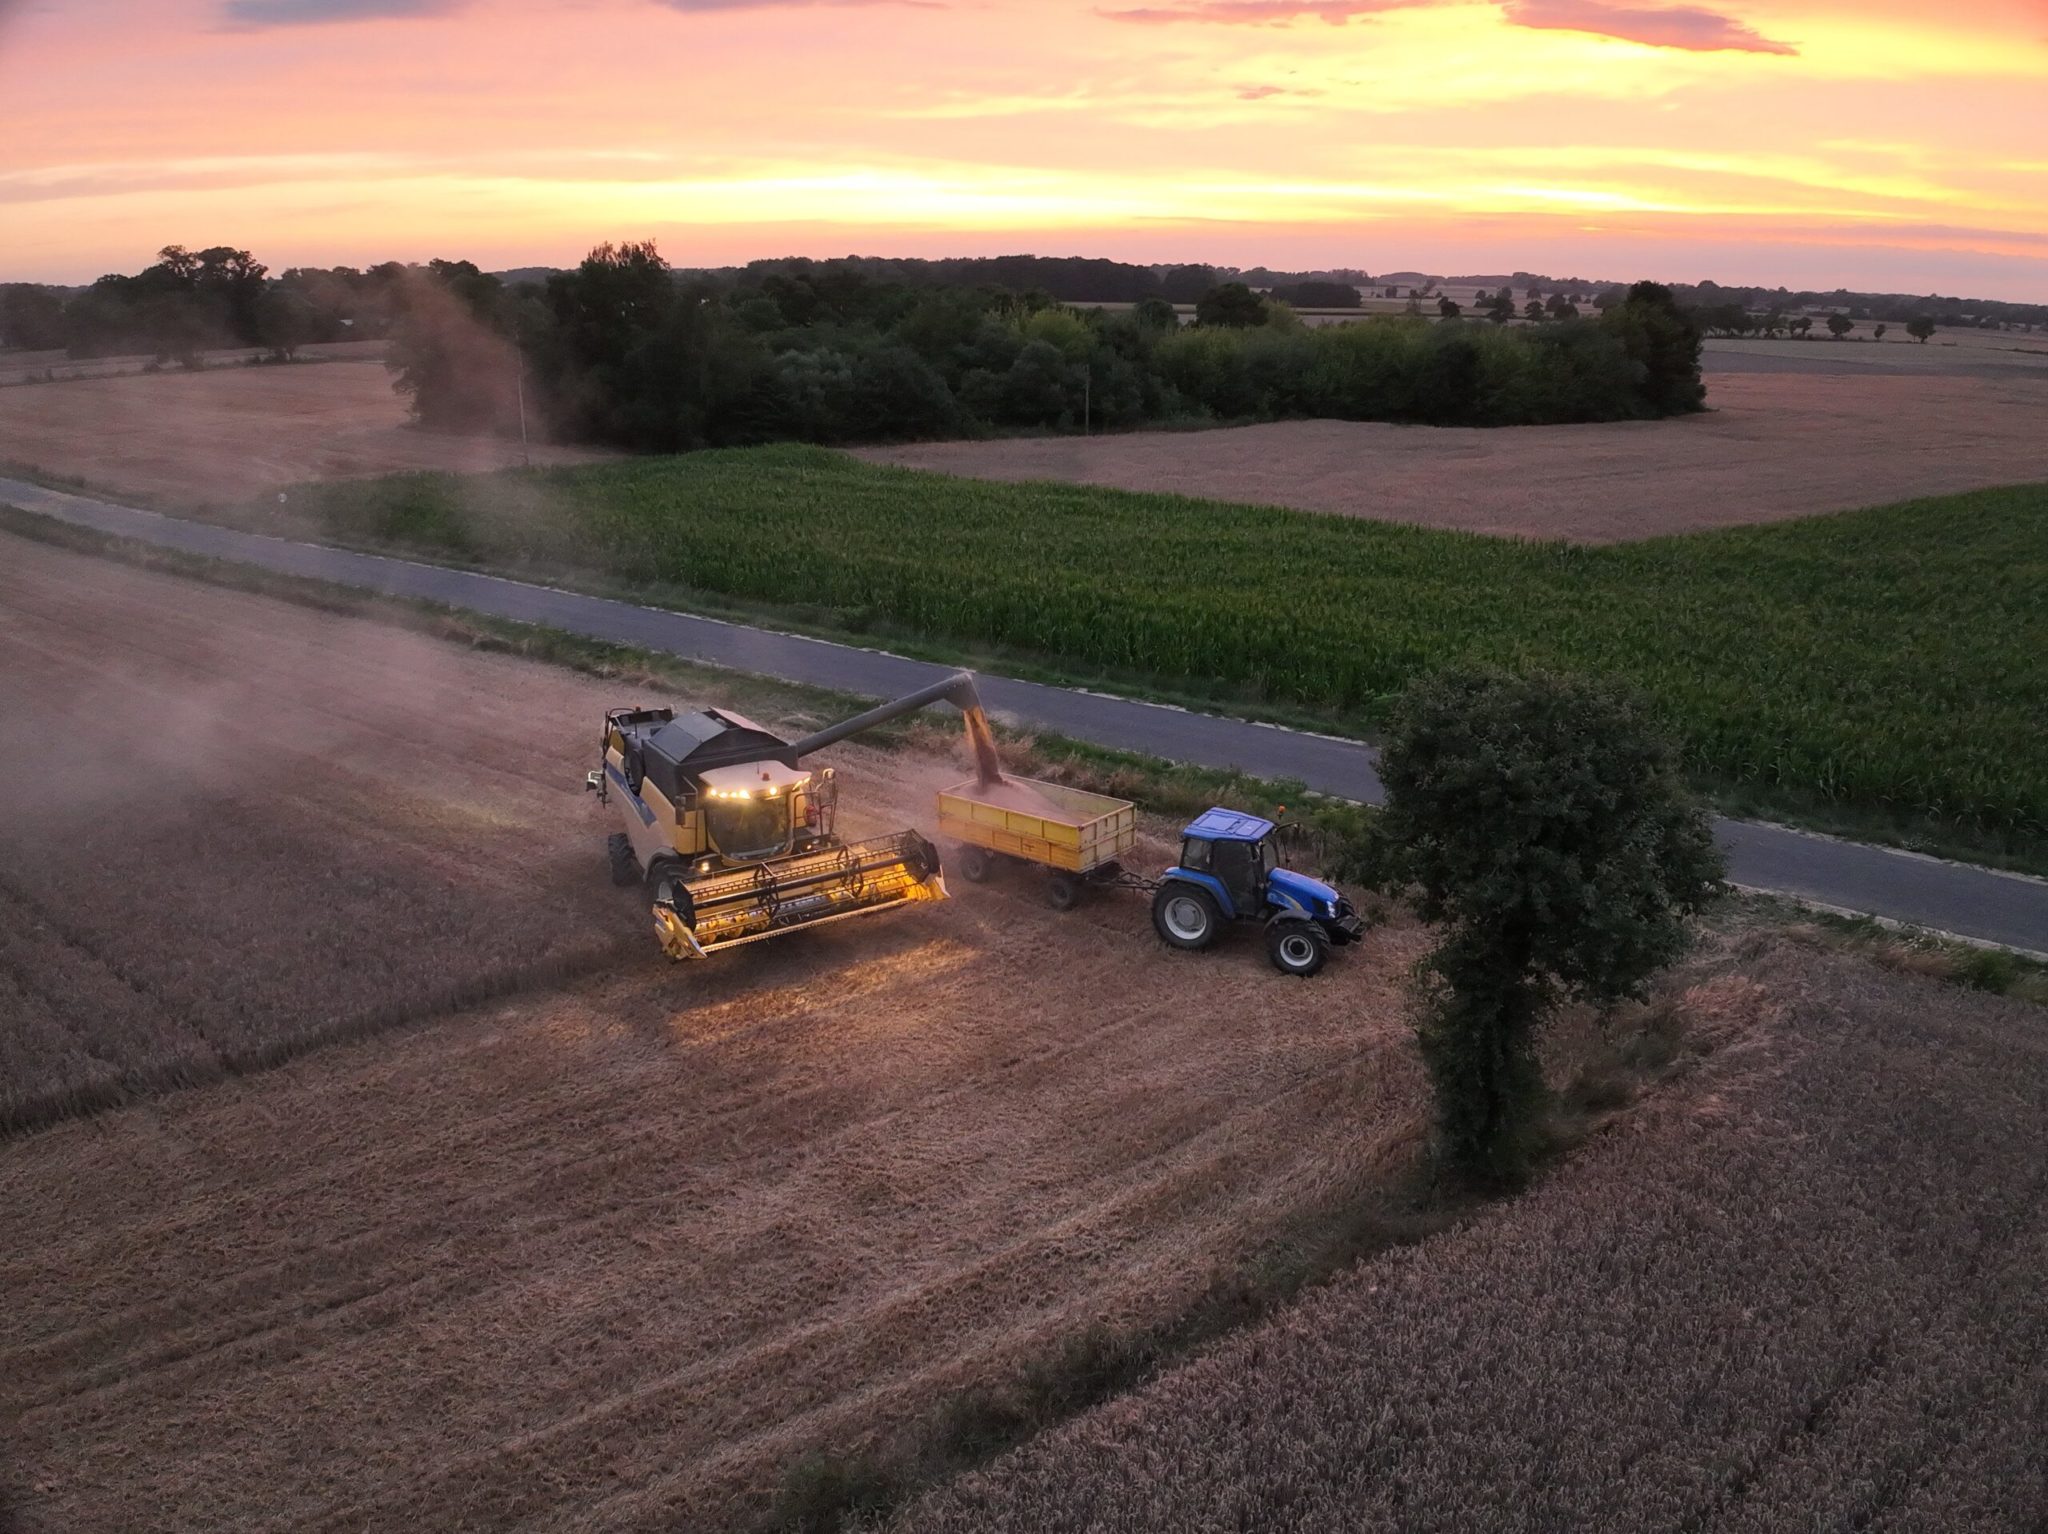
x: 229, y: 433
x: 609, y: 1254
x: 1774, y: 446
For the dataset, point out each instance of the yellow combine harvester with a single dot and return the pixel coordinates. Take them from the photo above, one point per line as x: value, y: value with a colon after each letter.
x: 733, y: 836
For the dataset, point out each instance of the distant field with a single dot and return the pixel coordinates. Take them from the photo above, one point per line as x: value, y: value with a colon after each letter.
x: 17, y: 366
x: 1772, y: 445
x: 197, y: 439
x: 1894, y: 660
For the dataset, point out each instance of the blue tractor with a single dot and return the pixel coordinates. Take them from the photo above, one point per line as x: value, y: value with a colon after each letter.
x: 1228, y: 872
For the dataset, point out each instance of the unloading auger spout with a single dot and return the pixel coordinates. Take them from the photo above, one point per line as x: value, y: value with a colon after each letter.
x: 957, y: 689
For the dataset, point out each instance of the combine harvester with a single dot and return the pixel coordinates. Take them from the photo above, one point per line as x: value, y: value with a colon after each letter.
x: 733, y: 839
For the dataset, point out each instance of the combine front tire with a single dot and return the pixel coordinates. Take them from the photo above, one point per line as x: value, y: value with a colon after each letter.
x: 1296, y: 947
x: 1186, y: 915
x: 625, y: 867
x: 664, y: 871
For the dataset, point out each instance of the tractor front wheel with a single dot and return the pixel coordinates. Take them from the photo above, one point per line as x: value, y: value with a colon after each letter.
x: 618, y: 848
x: 1186, y: 915
x: 1296, y: 947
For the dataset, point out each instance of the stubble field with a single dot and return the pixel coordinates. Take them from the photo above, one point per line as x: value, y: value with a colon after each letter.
x: 1774, y: 446
x: 608, y: 1251
x: 191, y: 440
x: 1801, y: 1292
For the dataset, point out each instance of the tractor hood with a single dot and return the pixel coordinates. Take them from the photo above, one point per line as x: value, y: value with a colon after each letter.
x: 1312, y: 896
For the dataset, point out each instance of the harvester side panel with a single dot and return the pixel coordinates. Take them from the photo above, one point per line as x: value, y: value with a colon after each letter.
x: 651, y: 823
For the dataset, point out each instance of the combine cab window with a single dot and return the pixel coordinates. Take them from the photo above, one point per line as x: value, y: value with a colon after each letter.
x: 749, y: 828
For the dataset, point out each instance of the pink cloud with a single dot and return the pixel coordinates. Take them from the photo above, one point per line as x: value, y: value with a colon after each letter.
x: 1685, y: 26
x: 1261, y: 12
x: 253, y: 14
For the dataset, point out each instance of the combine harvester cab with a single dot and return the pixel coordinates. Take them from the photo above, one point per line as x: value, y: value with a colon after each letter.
x: 732, y: 843
x: 732, y: 836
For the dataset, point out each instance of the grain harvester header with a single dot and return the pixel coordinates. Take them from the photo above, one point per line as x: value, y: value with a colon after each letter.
x: 732, y: 835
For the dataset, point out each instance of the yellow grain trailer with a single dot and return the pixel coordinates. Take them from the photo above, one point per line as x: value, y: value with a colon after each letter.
x: 1080, y: 837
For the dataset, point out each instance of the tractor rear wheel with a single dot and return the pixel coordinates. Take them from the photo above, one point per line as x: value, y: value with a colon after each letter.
x: 625, y: 867
x: 974, y: 863
x: 1296, y: 947
x: 1186, y: 915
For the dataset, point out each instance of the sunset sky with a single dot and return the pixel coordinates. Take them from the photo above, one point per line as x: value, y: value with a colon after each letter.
x: 1892, y: 144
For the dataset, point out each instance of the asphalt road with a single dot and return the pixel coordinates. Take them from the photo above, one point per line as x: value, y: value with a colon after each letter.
x: 1982, y: 904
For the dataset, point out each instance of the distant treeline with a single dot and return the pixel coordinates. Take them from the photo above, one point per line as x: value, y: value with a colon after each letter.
x: 624, y: 351
x: 1064, y: 279
x: 1711, y: 298
x: 1949, y: 313
x: 193, y: 301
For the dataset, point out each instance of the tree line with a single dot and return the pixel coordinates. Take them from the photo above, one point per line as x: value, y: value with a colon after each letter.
x: 1732, y: 319
x: 626, y: 351
x: 188, y: 302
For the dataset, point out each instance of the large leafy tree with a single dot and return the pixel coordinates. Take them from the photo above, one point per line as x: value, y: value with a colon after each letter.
x: 1663, y: 339
x: 1542, y: 823
x: 1231, y: 304
x: 31, y: 316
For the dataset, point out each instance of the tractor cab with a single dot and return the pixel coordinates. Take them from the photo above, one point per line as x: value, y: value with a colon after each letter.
x: 1230, y: 871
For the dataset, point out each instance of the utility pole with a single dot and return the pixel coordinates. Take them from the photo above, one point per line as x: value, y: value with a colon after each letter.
x: 525, y: 457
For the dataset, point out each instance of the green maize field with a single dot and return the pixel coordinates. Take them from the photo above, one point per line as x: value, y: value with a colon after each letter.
x: 1893, y: 660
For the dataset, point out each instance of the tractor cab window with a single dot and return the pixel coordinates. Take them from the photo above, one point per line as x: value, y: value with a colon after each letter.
x: 1241, y: 867
x: 1194, y: 855
x: 749, y: 828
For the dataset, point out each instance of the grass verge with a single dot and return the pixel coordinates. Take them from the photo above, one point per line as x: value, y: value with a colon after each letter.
x: 1999, y: 971
x: 1877, y: 673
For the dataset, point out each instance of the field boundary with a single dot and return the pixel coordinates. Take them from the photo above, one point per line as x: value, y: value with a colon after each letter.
x: 1986, y: 904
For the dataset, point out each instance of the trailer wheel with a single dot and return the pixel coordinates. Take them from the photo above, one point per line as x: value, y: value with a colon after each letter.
x: 974, y: 863
x: 1296, y: 947
x: 1063, y: 892
x: 1186, y: 915
x: 625, y: 867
